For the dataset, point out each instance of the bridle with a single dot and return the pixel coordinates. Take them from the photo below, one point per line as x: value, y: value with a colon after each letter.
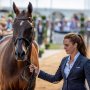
x: 28, y: 55
x: 26, y: 18
x: 24, y: 39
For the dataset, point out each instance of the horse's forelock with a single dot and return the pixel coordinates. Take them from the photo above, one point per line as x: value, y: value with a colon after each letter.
x: 23, y: 12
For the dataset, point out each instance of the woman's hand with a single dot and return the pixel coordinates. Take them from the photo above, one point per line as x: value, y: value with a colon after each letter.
x: 32, y: 67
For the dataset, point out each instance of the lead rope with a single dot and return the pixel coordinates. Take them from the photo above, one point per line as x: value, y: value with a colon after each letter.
x: 32, y: 78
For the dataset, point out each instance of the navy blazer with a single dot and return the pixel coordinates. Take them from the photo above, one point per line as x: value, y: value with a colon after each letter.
x: 76, y: 78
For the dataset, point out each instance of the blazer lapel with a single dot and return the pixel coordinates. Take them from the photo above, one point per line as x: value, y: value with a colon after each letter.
x: 63, y: 67
x: 75, y: 65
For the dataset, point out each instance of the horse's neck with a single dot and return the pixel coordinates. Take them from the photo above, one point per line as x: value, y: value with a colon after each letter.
x: 3, y: 42
x: 3, y: 45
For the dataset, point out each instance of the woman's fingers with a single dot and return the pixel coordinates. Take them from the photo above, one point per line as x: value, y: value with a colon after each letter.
x: 32, y: 67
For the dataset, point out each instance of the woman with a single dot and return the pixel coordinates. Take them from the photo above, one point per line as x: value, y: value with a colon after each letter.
x: 74, y: 68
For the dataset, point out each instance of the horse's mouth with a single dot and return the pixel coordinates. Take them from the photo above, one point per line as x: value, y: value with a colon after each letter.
x: 19, y: 60
x: 24, y: 58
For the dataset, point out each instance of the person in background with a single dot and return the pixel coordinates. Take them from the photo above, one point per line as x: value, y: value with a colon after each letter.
x: 8, y: 26
x: 0, y: 31
x: 74, y: 68
x: 2, y: 25
x: 40, y: 32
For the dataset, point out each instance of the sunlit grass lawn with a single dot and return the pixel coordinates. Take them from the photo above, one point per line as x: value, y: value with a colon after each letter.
x: 55, y: 46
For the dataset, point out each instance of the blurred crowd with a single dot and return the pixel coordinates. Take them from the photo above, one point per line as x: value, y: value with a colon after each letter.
x: 5, y: 25
x: 45, y: 26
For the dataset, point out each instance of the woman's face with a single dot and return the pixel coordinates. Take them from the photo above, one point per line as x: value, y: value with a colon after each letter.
x: 69, y: 47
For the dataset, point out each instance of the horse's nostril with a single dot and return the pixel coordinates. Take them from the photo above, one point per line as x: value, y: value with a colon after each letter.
x: 17, y: 54
x: 22, y: 54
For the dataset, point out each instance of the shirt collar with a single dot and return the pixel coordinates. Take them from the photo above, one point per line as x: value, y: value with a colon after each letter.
x: 75, y: 58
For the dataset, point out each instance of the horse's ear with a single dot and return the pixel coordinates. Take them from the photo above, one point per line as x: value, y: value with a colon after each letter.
x: 30, y: 9
x: 16, y: 10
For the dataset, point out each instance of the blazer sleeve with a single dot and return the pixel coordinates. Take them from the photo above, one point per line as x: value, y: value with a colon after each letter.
x: 87, y: 71
x: 51, y: 78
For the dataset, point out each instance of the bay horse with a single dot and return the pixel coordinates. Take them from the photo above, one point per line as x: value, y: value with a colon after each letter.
x: 18, y: 53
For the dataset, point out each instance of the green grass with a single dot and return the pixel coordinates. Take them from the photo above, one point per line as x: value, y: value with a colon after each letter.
x: 55, y: 46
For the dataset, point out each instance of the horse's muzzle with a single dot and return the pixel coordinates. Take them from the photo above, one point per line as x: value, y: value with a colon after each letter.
x: 20, y: 55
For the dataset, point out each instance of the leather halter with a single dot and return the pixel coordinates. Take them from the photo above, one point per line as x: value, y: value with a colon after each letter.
x: 28, y: 18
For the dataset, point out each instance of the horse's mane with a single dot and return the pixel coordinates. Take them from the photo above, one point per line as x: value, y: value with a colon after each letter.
x: 5, y: 39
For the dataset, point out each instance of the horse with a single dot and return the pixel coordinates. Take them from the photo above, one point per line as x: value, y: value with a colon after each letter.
x: 18, y: 52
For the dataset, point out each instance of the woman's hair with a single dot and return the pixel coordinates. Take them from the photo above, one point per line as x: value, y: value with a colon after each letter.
x: 77, y: 38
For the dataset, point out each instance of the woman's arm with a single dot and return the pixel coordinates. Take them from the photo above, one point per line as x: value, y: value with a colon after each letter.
x: 51, y: 78
x: 48, y: 77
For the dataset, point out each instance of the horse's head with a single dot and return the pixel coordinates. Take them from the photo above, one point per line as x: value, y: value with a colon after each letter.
x: 23, y: 31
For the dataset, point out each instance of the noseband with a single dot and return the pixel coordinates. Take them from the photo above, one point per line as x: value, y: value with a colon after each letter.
x: 22, y: 38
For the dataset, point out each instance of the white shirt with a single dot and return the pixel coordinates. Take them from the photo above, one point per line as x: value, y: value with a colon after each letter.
x: 68, y: 66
